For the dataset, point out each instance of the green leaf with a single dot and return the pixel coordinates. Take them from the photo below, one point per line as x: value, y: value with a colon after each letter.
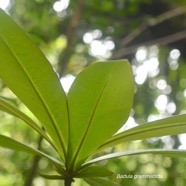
x: 100, y: 182
x: 6, y: 107
x: 52, y: 177
x: 13, y: 101
x: 10, y: 143
x: 60, y: 169
x: 99, y: 101
x: 171, y: 153
x: 93, y: 171
x: 168, y: 126
x: 30, y: 76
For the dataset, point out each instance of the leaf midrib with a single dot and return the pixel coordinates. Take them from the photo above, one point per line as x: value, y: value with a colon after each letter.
x: 25, y: 118
x: 90, y: 122
x: 132, y: 152
x: 38, y: 94
x: 19, y: 145
x: 138, y: 132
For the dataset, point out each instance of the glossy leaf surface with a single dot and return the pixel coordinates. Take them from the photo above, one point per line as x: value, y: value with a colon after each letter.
x: 99, y: 101
x: 30, y: 76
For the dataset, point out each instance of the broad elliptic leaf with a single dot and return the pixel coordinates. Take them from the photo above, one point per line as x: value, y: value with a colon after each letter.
x: 10, y: 143
x: 172, y: 153
x: 29, y: 75
x: 94, y: 171
x: 169, y: 126
x: 10, y: 109
x: 99, y: 103
x: 100, y: 182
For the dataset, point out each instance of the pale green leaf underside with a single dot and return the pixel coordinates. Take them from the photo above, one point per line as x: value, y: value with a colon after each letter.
x: 10, y: 143
x: 30, y: 76
x: 171, y: 153
x: 6, y: 107
x: 100, y: 182
x: 168, y: 126
x: 93, y: 171
x: 99, y: 103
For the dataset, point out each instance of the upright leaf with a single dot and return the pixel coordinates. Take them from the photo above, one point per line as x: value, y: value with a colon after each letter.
x: 30, y: 76
x: 99, y: 101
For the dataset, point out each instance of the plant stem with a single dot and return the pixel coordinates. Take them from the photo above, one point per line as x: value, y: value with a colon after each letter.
x: 68, y: 181
x: 34, y: 167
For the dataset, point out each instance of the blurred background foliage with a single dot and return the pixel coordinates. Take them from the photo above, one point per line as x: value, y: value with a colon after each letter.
x: 74, y: 34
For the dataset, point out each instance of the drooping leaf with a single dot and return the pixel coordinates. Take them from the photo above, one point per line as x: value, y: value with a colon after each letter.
x: 6, y: 107
x: 100, y: 182
x: 13, y: 101
x: 99, y: 101
x: 30, y: 76
x: 171, y: 153
x: 10, y: 143
x: 168, y: 126
x: 52, y: 177
x: 94, y: 171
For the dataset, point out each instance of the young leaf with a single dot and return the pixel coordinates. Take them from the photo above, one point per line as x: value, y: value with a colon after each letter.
x: 171, y: 153
x: 99, y: 101
x: 100, y: 182
x: 10, y: 143
x: 30, y: 76
x: 168, y: 126
x: 93, y: 171
x: 6, y: 107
